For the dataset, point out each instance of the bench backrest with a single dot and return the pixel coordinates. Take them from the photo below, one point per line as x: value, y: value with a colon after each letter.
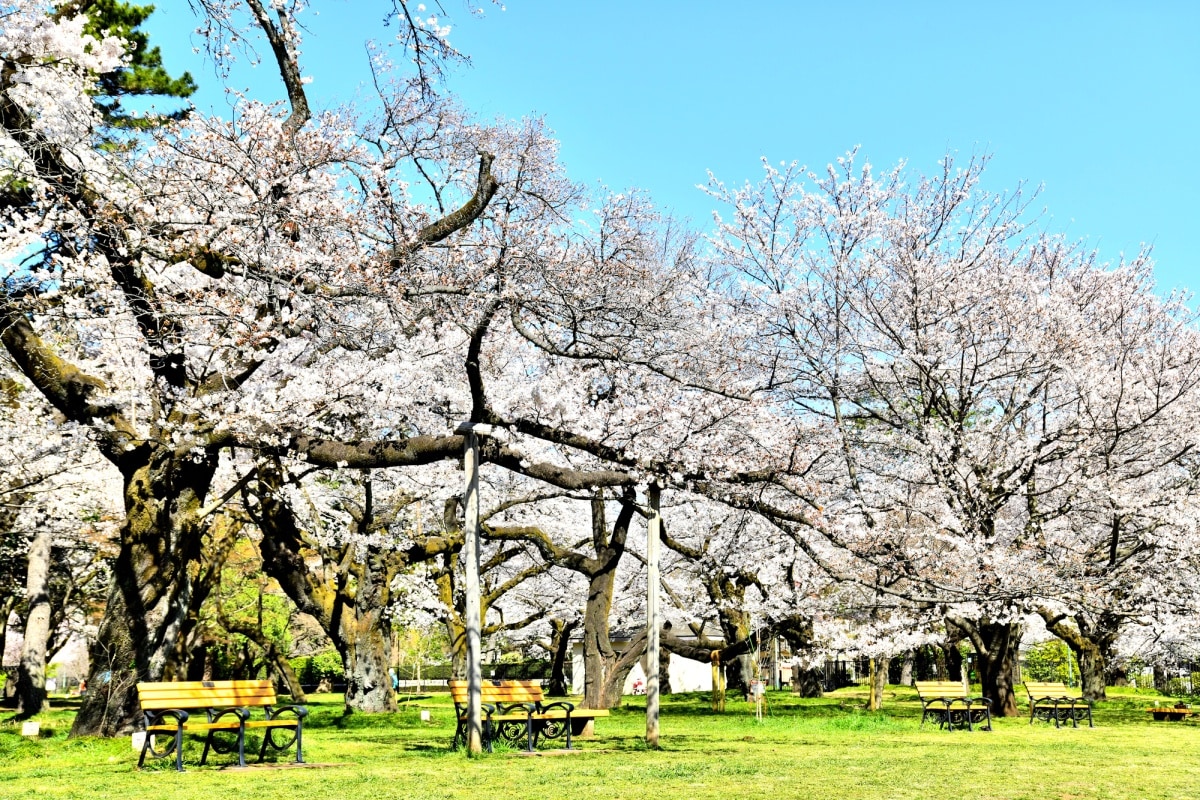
x: 1040, y: 689
x: 500, y: 692
x: 206, y: 694
x: 928, y: 689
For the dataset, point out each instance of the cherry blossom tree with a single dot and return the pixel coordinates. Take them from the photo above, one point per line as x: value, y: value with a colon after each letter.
x: 959, y: 361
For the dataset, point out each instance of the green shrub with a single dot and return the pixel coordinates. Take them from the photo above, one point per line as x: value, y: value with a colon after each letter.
x: 311, y: 669
x: 1183, y: 687
x: 1050, y: 661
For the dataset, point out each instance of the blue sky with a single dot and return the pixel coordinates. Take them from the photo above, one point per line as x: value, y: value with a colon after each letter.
x: 1098, y: 102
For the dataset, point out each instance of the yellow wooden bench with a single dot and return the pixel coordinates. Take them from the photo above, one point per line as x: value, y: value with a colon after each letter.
x: 1172, y: 713
x: 1052, y: 700
x: 516, y: 712
x: 225, y: 704
x: 949, y: 704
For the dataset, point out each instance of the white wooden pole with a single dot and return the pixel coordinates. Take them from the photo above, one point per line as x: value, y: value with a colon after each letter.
x: 470, y: 555
x: 776, y: 667
x: 653, y: 622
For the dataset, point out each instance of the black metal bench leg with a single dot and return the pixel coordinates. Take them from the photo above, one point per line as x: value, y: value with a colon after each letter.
x: 569, y: 726
x: 207, y: 745
x: 299, y: 742
x: 179, y: 749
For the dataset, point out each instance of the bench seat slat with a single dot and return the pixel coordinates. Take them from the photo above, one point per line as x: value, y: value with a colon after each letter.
x: 207, y: 701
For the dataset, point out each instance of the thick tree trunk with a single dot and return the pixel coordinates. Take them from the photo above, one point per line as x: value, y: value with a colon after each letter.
x: 1092, y: 672
x: 996, y: 646
x: 598, y: 654
x: 31, y: 672
x: 664, y: 671
x: 6, y: 606
x: 560, y: 647
x: 141, y: 637
x: 365, y: 648
x: 1091, y: 641
x: 807, y: 682
x: 618, y: 670
x: 739, y: 671
x: 949, y: 662
x: 877, y: 682
x: 735, y: 627
x: 906, y: 669
x: 351, y: 608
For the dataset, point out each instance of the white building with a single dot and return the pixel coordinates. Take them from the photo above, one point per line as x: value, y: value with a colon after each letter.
x: 686, y: 675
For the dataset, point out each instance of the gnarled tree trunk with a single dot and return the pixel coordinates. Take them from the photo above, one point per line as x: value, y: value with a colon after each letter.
x: 1091, y: 640
x: 142, y: 633
x: 31, y: 672
x: 599, y: 656
x: 560, y: 651
x: 351, y: 606
x: 996, y: 646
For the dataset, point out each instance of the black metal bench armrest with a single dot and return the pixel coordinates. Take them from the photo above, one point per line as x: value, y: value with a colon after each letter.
x: 508, y: 708
x: 273, y: 713
x: 215, y: 714
x: 159, y: 717
x: 563, y: 704
x: 985, y: 700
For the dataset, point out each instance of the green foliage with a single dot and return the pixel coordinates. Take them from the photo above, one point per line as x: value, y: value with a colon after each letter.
x: 143, y: 76
x: 1183, y: 687
x: 312, y: 669
x: 521, y: 670
x: 420, y: 645
x: 1048, y: 661
x: 242, y: 617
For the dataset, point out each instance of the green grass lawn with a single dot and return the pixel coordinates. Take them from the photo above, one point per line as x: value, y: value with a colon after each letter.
x: 823, y: 748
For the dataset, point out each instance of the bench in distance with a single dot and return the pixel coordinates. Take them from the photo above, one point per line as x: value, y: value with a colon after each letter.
x: 949, y: 704
x: 516, y: 712
x: 1052, y: 700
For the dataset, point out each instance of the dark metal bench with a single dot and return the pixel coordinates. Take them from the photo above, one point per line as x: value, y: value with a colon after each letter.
x: 516, y: 712
x: 950, y: 705
x: 1052, y: 700
x: 225, y: 704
